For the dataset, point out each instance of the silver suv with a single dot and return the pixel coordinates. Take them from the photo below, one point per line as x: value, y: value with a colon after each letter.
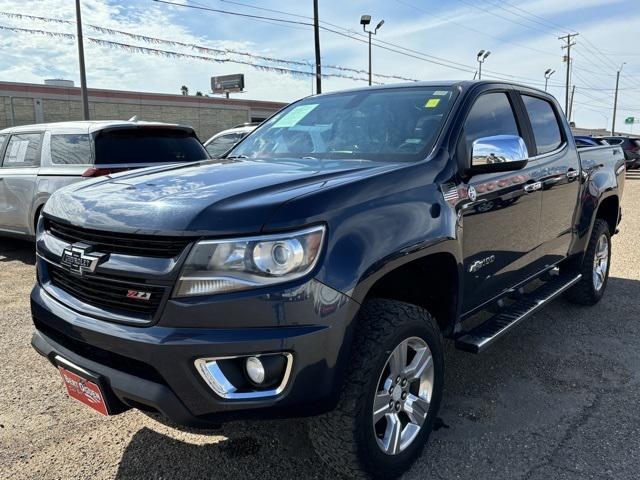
x: 224, y: 141
x: 36, y: 160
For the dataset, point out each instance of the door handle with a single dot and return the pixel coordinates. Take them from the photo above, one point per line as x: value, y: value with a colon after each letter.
x: 532, y: 187
x: 572, y: 174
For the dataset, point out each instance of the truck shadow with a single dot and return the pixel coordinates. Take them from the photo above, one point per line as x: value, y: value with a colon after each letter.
x: 17, y: 250
x: 240, y: 450
x: 546, y: 366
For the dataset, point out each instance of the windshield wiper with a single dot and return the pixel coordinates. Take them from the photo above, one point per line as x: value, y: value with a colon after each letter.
x: 237, y: 156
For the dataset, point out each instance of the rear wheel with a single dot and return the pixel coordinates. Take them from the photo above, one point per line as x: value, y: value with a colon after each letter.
x: 594, y: 268
x: 391, y: 394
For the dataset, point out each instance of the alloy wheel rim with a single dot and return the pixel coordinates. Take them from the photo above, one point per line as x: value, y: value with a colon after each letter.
x: 403, y: 395
x: 600, y: 262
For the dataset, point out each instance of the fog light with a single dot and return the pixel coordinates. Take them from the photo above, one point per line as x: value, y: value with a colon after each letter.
x: 255, y: 370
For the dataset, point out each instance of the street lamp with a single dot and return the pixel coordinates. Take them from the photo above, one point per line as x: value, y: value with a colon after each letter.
x: 547, y: 75
x: 364, y: 21
x: 481, y: 57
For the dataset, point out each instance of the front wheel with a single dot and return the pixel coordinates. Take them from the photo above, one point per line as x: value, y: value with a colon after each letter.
x: 595, y: 267
x: 391, y: 394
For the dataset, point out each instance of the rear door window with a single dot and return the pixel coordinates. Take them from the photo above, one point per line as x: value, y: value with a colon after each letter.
x: 23, y: 150
x: 71, y: 149
x: 147, y: 145
x: 490, y: 115
x: 544, y: 122
x: 221, y: 144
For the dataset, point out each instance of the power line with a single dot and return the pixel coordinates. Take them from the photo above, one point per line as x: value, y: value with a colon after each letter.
x: 481, y: 32
x: 395, y: 48
x: 528, y: 12
x: 491, y: 12
x: 227, y: 12
x: 533, y: 20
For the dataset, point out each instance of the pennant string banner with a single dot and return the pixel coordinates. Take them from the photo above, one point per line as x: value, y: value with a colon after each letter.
x: 171, y: 54
x: 202, y: 49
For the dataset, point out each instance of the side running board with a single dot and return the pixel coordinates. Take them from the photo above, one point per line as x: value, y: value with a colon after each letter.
x: 485, y: 334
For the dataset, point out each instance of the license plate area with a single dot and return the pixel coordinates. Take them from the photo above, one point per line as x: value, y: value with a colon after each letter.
x: 83, y: 386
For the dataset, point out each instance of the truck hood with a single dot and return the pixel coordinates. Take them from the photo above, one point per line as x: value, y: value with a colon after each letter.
x: 214, y: 197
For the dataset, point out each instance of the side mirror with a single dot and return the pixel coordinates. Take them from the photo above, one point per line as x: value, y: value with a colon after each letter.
x: 500, y: 153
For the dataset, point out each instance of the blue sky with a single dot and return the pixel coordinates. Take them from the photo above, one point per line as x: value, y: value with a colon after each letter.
x: 522, y: 36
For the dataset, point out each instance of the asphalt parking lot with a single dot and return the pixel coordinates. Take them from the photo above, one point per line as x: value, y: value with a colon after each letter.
x: 559, y: 398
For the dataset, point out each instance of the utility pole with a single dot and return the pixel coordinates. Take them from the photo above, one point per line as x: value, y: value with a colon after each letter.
x: 83, y: 74
x: 316, y: 32
x: 567, y: 58
x: 615, y: 100
x: 573, y: 92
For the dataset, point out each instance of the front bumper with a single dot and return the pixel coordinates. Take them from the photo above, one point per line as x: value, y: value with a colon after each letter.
x: 152, y: 367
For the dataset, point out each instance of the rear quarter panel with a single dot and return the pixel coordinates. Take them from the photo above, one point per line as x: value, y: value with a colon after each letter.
x: 602, y: 177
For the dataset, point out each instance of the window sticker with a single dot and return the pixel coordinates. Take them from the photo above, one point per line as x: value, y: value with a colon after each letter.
x: 440, y: 93
x: 432, y: 103
x: 295, y: 115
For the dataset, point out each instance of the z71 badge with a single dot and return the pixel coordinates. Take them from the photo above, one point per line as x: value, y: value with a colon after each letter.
x: 136, y: 295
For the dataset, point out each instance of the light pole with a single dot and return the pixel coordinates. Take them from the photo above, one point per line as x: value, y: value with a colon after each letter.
x: 615, y: 100
x: 316, y: 37
x: 481, y: 57
x: 547, y: 75
x: 83, y: 76
x: 364, y: 21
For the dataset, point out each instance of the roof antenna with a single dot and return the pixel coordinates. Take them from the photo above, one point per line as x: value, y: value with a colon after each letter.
x: 134, y: 118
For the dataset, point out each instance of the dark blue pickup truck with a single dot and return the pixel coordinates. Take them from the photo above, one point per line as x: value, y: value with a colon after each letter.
x: 317, y: 268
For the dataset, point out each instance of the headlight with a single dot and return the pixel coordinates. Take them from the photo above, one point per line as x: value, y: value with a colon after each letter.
x: 220, y: 266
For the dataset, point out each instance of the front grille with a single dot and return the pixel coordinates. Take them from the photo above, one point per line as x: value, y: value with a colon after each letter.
x: 107, y: 293
x: 123, y: 243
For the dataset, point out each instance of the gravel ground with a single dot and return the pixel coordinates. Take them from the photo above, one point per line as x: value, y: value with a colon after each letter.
x: 558, y: 399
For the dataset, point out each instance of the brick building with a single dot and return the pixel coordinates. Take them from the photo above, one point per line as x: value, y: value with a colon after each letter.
x: 27, y: 103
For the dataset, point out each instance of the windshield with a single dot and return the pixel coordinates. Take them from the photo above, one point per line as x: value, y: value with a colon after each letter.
x: 147, y: 145
x: 399, y: 124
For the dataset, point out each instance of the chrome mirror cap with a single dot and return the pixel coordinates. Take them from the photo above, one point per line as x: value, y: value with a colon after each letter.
x: 498, y: 149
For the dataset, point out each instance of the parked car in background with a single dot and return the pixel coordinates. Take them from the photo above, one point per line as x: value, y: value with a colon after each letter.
x: 587, y: 141
x: 631, y: 148
x: 224, y: 141
x: 36, y: 160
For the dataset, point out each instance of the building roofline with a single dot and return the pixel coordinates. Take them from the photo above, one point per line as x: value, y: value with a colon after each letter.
x: 33, y: 89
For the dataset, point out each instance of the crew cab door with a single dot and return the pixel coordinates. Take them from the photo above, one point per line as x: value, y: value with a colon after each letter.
x: 501, y: 225
x: 559, y: 166
x: 18, y: 177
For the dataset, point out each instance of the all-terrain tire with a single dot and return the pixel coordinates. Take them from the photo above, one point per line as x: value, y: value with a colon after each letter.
x: 345, y: 437
x: 585, y: 292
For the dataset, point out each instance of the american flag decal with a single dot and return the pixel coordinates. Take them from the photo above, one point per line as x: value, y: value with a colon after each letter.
x: 450, y: 193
